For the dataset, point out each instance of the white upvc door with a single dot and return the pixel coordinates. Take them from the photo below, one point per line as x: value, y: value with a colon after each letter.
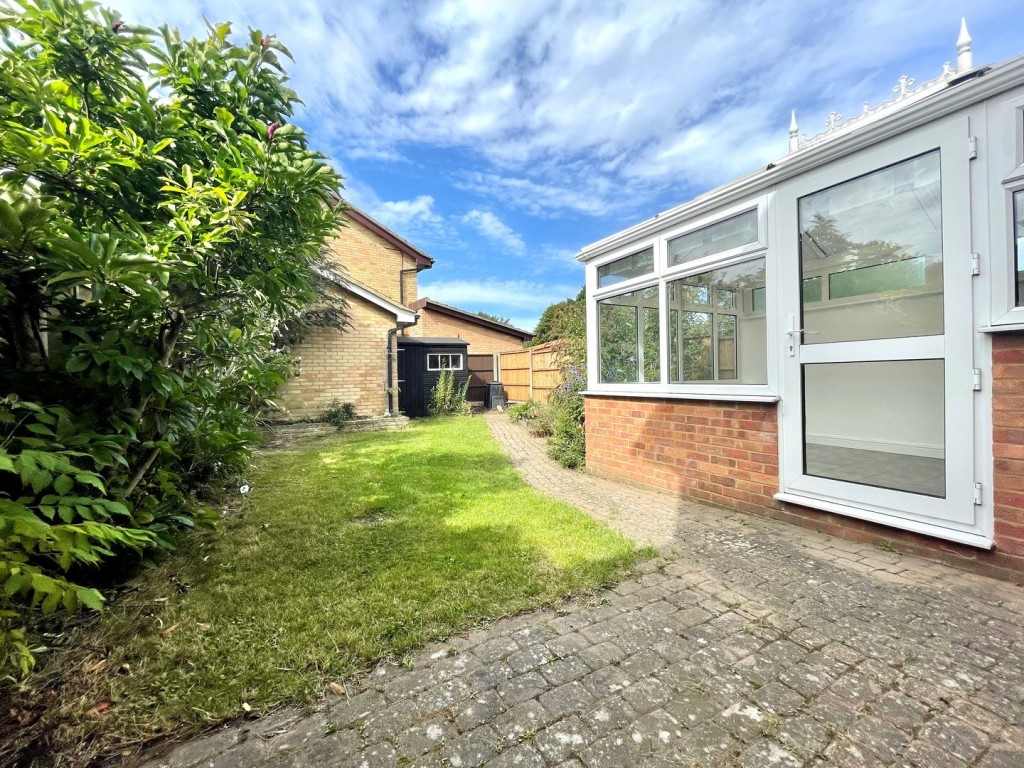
x: 877, y: 322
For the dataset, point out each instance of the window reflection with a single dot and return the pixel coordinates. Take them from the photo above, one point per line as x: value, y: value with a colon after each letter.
x: 629, y: 345
x: 875, y: 244
x: 717, y: 326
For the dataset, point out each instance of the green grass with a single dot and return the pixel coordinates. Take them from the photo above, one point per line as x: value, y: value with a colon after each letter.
x: 346, y: 551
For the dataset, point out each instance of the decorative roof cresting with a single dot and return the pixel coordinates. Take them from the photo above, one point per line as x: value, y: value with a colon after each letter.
x: 906, y: 92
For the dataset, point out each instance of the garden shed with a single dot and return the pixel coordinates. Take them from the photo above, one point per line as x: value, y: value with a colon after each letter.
x: 838, y: 338
x: 421, y: 361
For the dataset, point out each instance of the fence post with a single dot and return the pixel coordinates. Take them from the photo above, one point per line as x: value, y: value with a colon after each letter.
x: 530, y: 358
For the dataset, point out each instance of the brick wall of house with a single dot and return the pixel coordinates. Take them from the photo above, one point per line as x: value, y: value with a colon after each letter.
x: 346, y: 366
x: 374, y: 262
x: 719, y: 452
x: 1008, y: 439
x: 481, y: 340
x: 726, y: 454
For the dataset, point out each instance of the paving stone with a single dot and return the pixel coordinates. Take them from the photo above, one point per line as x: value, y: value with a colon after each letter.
x: 767, y: 753
x: 564, y: 671
x: 521, y: 688
x: 523, y: 720
x: 955, y: 736
x: 519, y: 756
x: 479, y: 709
x: 473, y: 748
x: 563, y: 740
x: 571, y: 697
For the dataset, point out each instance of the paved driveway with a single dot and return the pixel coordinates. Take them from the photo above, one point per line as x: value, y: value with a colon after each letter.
x: 748, y: 643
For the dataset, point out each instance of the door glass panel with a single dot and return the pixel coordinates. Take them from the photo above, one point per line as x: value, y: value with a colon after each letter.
x: 876, y: 241
x: 877, y: 423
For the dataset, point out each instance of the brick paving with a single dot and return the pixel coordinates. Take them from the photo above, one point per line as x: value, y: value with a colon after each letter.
x: 745, y: 643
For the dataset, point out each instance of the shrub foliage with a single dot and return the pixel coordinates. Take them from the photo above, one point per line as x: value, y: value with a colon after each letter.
x: 159, y: 221
x: 447, y: 397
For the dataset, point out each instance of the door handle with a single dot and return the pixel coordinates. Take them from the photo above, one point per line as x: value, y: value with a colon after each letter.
x: 795, y: 334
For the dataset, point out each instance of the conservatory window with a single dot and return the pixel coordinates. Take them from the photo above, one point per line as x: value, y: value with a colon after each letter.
x: 629, y: 338
x: 626, y: 268
x: 719, y: 237
x: 717, y: 329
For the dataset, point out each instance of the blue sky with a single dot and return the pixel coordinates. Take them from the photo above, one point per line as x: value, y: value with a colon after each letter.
x: 501, y: 136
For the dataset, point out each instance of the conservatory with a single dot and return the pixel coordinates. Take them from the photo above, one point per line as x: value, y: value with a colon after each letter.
x: 839, y: 336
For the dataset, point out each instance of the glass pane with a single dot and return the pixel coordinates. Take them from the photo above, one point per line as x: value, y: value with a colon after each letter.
x: 629, y: 352
x: 652, y: 345
x: 717, y: 325
x: 697, y: 362
x: 673, y: 345
x: 726, y: 346
x: 877, y: 423
x: 895, y: 276
x: 637, y: 264
x: 812, y: 289
x: 1018, y: 218
x: 878, y: 239
x: 618, y: 343
x: 717, y: 238
x: 758, y: 299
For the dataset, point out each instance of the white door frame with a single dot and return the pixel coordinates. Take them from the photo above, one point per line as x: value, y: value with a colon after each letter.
x: 956, y: 517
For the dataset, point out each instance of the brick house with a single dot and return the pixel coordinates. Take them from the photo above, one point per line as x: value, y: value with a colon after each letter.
x: 836, y: 340
x: 377, y: 274
x: 484, y: 336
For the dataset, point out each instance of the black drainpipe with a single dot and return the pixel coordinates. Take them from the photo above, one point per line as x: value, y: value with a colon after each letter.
x: 390, y: 393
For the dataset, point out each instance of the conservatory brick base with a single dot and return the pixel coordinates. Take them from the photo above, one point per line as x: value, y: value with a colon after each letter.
x: 726, y: 454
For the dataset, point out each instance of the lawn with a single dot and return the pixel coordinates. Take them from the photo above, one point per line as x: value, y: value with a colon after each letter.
x: 346, y: 551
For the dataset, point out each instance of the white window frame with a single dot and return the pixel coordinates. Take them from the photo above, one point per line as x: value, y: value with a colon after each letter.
x: 1006, y: 171
x: 449, y: 355
x: 711, y: 219
x: 663, y: 274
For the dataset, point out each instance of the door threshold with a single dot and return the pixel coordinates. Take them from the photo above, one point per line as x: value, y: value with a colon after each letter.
x: 892, y: 521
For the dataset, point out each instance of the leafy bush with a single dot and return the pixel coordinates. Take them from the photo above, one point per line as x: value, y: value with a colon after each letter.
x: 159, y: 225
x: 568, y: 438
x: 447, y: 397
x: 523, y: 411
x: 339, y: 413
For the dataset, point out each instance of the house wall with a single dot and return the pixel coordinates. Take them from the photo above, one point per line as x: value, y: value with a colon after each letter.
x: 1008, y: 439
x: 348, y: 366
x: 374, y: 262
x: 482, y: 341
x: 726, y: 454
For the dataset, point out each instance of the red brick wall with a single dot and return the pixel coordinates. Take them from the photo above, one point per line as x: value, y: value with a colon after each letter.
x: 719, y: 452
x: 1008, y: 440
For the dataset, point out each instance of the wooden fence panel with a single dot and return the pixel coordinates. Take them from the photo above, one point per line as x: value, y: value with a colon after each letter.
x: 529, y: 374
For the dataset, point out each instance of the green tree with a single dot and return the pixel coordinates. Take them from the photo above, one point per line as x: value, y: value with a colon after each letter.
x: 495, y: 318
x: 159, y: 225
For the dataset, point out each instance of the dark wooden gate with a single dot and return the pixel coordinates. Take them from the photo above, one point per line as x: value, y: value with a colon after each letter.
x: 481, y: 371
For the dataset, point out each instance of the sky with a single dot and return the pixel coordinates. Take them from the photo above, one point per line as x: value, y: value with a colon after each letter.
x: 502, y: 136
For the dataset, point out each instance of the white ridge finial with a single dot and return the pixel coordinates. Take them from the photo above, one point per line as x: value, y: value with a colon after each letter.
x: 964, y: 59
x: 794, y: 142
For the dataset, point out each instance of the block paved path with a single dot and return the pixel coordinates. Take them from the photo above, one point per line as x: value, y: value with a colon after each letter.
x: 746, y: 643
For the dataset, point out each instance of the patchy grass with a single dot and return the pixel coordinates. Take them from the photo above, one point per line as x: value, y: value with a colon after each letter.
x: 346, y: 551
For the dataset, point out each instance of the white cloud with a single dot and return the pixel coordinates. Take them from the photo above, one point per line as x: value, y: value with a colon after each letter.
x: 495, y: 230
x: 500, y: 297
